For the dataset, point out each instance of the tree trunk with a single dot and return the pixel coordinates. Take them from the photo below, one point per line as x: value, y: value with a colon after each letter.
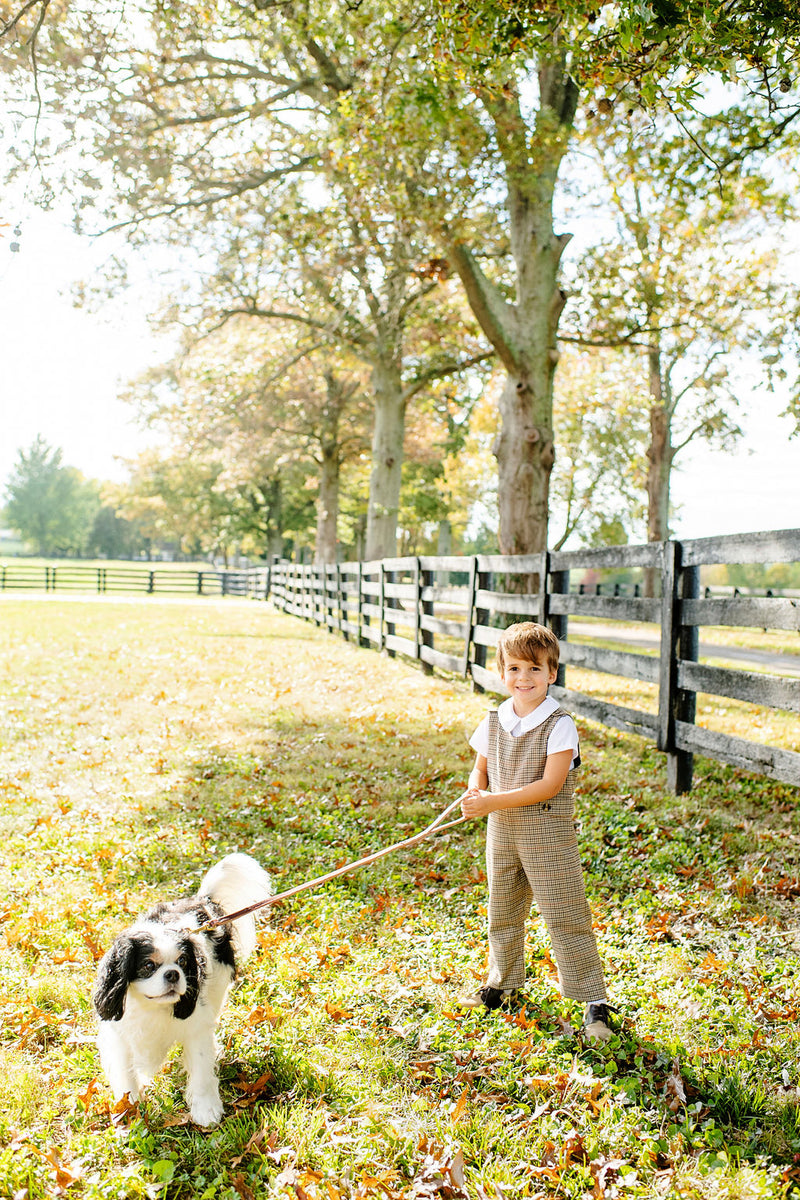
x: 327, y: 505
x: 659, y: 463
x: 387, y: 461
x: 524, y: 333
x: 272, y: 493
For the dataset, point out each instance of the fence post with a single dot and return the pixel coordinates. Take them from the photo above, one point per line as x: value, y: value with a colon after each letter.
x: 387, y: 627
x: 470, y: 614
x: 317, y: 576
x: 483, y: 583
x: 557, y: 584
x: 340, y: 602
x: 427, y: 581
x: 417, y: 608
x: 151, y: 582
x: 678, y: 641
x: 363, y: 619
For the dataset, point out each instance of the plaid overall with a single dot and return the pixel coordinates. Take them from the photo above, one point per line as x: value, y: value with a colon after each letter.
x: 532, y: 854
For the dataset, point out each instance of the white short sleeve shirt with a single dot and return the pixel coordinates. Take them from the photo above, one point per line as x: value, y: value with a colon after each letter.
x: 563, y: 735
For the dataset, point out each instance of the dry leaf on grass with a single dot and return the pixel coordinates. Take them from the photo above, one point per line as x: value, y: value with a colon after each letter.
x: 335, y: 1013
x: 441, y: 1172
x: 243, y: 1188
x: 674, y: 1090
x: 251, y: 1093
x: 264, y: 1013
x: 605, y: 1172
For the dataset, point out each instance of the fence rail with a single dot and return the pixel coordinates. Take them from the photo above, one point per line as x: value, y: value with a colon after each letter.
x: 133, y: 579
x: 448, y: 612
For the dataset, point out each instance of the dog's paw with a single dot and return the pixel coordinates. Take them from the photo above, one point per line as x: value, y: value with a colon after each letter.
x: 206, y: 1110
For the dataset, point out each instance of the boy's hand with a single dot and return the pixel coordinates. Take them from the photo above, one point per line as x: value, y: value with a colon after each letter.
x: 476, y: 803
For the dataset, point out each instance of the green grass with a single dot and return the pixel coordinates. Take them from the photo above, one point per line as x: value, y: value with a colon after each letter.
x: 139, y: 742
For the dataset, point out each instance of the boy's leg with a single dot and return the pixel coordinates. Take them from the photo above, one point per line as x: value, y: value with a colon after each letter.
x: 552, y: 863
x: 509, y: 904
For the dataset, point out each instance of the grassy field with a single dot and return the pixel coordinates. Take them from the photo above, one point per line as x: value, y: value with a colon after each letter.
x: 141, y: 741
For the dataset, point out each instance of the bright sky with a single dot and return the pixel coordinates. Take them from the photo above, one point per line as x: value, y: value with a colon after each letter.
x: 63, y: 370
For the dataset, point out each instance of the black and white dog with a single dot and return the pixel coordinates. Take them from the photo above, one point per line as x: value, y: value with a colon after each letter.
x: 163, y: 982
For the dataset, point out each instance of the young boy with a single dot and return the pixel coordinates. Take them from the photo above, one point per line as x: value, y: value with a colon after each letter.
x: 524, y: 780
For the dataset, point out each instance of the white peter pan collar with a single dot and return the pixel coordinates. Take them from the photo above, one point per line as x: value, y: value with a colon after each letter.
x: 515, y: 725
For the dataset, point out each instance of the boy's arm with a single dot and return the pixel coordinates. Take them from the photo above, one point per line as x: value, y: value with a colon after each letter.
x: 478, y: 803
x: 479, y: 775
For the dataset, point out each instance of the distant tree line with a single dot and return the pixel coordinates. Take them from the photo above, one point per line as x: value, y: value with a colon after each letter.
x: 58, y: 513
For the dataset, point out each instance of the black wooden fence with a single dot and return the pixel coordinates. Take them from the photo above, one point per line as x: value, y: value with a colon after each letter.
x: 136, y: 579
x: 447, y: 612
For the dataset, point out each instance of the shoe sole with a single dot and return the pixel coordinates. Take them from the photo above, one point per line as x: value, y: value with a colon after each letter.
x: 598, y: 1032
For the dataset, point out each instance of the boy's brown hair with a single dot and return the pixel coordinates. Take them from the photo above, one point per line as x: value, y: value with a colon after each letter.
x: 528, y: 641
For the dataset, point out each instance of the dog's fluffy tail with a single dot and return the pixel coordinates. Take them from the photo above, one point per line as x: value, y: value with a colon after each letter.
x: 235, y: 882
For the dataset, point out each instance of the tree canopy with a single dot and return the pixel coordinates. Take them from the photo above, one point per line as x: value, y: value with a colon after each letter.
x: 340, y: 168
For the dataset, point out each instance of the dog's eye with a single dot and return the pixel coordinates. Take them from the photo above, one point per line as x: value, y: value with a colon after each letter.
x: 183, y: 959
x: 148, y: 967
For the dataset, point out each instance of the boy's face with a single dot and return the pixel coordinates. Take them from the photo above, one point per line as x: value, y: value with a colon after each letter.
x: 527, y: 682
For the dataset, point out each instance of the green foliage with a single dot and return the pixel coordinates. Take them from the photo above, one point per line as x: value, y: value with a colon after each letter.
x: 114, y: 537
x: 51, y: 506
x: 653, y: 48
x: 687, y: 282
x: 600, y: 415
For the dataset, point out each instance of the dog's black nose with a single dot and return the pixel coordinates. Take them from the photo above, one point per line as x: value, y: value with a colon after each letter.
x: 172, y: 976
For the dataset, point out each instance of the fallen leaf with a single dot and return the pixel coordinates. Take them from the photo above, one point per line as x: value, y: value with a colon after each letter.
x: 601, y: 1169
x: 85, y: 1097
x: 264, y: 1014
x: 177, y: 1121
x: 674, y: 1090
x: 460, y: 1106
x: 124, y: 1111
x: 243, y: 1188
x: 335, y: 1013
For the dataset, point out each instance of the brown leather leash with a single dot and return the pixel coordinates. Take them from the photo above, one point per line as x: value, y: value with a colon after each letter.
x: 435, y: 827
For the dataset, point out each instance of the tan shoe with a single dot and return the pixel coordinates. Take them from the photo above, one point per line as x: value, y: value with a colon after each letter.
x: 486, y: 997
x: 595, y: 1022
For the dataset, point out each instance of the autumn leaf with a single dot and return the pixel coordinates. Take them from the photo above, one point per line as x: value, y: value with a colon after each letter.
x: 85, y: 1097
x: 91, y: 938
x: 441, y: 1172
x: 460, y: 1106
x: 252, y: 1092
x: 264, y: 1013
x: 124, y: 1111
x: 674, y: 1090
x: 335, y: 1013
x: 243, y: 1189
x: 604, y: 1172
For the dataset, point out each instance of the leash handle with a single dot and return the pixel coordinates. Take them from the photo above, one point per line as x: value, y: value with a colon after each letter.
x: 435, y: 827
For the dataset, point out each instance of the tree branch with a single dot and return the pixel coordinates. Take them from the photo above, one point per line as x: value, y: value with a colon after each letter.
x: 497, y: 318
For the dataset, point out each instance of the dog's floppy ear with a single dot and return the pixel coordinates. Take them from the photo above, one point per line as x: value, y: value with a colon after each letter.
x: 194, y: 969
x: 116, y: 970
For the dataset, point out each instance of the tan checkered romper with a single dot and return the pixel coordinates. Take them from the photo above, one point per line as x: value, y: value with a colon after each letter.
x: 532, y: 853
